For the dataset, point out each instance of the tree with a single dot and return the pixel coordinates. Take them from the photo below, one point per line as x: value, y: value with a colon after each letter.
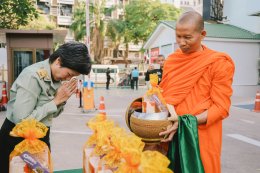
x: 134, y: 27
x: 39, y: 23
x: 116, y: 31
x: 79, y: 21
x: 97, y: 27
x: 16, y: 13
x: 142, y: 16
x: 98, y: 33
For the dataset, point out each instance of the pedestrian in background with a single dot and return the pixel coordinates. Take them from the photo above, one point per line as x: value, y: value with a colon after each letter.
x: 131, y: 80
x: 147, y: 76
x: 135, y: 76
x: 108, y: 78
x: 197, y: 81
x: 39, y: 93
x: 80, y: 87
x: 156, y: 68
x: 159, y: 60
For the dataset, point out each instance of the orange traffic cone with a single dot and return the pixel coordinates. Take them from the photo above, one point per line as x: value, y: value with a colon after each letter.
x: 257, y: 102
x: 4, y: 98
x: 102, y: 106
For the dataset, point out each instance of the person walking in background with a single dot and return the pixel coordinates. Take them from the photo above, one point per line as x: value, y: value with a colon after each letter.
x: 108, y: 78
x: 198, y: 81
x: 131, y: 80
x: 135, y: 76
x: 39, y: 93
x: 80, y: 86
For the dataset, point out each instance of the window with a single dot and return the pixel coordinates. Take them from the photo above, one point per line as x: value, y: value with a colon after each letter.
x: 22, y: 59
x: 65, y: 10
x: 25, y: 57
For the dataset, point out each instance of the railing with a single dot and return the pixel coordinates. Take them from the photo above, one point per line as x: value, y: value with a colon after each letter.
x: 65, y: 1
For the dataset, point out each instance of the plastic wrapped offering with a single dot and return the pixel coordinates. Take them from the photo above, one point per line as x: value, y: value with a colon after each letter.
x: 30, y: 155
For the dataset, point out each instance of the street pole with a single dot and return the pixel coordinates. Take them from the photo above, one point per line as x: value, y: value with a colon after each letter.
x: 87, y: 26
x: 87, y: 31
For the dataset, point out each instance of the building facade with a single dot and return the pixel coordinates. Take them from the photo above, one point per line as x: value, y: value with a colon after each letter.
x: 25, y: 47
x: 247, y: 17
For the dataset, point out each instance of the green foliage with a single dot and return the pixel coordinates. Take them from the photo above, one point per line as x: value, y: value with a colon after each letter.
x: 79, y: 21
x: 97, y: 29
x: 39, y: 23
x: 79, y: 18
x: 16, y: 13
x: 115, y: 30
x: 142, y: 16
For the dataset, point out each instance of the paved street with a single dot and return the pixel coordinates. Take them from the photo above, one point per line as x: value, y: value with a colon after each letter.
x: 241, y: 137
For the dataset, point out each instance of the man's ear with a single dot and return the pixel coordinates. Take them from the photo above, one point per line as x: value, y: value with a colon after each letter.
x: 203, y: 34
x: 58, y: 62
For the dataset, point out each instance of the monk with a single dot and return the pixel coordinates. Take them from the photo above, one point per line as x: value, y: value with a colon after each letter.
x: 198, y: 81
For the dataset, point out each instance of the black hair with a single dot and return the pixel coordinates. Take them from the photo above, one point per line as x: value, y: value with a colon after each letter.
x: 73, y: 55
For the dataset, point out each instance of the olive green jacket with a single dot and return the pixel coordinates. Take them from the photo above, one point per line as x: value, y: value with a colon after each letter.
x: 32, y: 93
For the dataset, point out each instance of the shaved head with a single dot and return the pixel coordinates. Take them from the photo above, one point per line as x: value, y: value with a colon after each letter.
x: 190, y: 32
x: 192, y: 17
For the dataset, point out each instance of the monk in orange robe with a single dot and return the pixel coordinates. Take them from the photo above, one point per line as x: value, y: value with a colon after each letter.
x: 198, y: 81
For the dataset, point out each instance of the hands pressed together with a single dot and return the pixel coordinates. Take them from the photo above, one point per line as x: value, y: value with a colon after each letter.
x: 65, y: 91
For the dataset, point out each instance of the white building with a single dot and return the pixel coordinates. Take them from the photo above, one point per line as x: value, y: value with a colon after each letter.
x: 242, y: 45
x: 58, y: 11
x: 243, y: 13
x: 186, y: 5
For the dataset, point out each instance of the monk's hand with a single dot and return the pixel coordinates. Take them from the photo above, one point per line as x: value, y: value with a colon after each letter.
x: 170, y: 132
x: 65, y: 91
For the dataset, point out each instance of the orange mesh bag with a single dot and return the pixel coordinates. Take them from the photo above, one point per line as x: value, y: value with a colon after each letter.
x: 153, y: 99
x: 97, y: 144
x: 136, y: 161
x: 31, y: 155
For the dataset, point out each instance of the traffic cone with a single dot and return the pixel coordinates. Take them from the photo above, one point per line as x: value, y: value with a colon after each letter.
x: 102, y: 106
x: 4, y: 98
x: 257, y: 102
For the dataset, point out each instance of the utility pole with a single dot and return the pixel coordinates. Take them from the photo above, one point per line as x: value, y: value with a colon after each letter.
x: 87, y: 33
x: 87, y: 26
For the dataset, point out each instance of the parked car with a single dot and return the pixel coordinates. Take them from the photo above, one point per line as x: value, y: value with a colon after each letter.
x: 98, y: 74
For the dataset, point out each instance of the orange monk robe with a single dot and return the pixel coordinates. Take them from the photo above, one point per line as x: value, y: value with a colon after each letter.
x: 197, y: 82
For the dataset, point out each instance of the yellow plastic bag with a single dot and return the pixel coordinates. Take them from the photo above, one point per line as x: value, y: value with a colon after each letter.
x: 31, y: 154
x: 97, y: 144
x: 153, y: 101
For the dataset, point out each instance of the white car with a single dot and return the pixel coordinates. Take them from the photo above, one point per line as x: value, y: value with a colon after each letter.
x: 98, y: 74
